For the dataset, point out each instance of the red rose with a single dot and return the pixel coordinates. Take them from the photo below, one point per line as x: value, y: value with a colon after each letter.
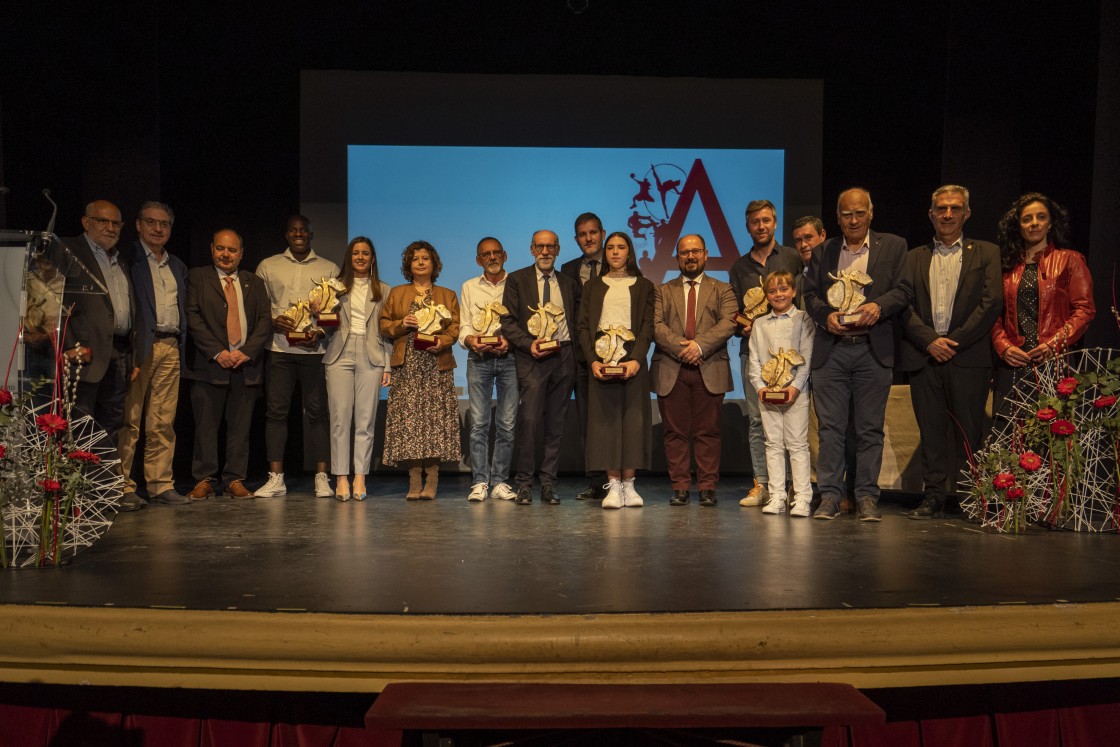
x: 1030, y: 461
x: 1046, y: 414
x: 1067, y: 386
x: 1102, y: 402
x: 5, y: 398
x: 50, y: 423
x: 50, y: 485
x: 1003, y: 480
x: 3, y: 451
x: 1015, y: 493
x: 1062, y: 428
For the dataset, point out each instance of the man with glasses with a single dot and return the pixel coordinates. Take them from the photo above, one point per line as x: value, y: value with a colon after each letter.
x: 958, y: 295
x: 852, y: 363
x: 544, y: 375
x: 693, y: 318
x: 99, y: 330
x: 490, y: 370
x: 160, y: 283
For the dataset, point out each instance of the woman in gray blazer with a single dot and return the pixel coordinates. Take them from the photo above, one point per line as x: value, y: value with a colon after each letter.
x: 357, y: 363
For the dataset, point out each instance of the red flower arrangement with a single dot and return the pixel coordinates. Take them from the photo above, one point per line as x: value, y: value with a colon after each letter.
x: 1066, y: 386
x: 84, y: 456
x: 1102, y: 402
x: 1015, y: 493
x: 1003, y: 480
x: 3, y: 451
x: 5, y: 398
x: 1030, y: 461
x: 51, y: 424
x: 1062, y: 428
x: 51, y: 486
x: 1046, y: 414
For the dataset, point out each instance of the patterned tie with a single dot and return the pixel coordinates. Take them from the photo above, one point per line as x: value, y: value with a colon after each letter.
x: 233, y: 315
x: 546, y: 296
x: 690, y: 317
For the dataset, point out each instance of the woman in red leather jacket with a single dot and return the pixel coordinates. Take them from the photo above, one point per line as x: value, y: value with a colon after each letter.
x: 1047, y: 290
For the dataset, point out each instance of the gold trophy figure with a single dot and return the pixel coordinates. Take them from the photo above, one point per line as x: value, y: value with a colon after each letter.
x: 431, y: 318
x: 846, y: 294
x: 544, y: 323
x: 299, y: 313
x: 754, y: 306
x: 487, y: 320
x: 778, y: 374
x: 323, y: 300
x: 610, y: 346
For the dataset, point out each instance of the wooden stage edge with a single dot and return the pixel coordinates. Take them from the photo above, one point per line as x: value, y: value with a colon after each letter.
x: 277, y: 651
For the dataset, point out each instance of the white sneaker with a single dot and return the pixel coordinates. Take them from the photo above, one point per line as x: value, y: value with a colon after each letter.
x: 800, y: 508
x: 274, y: 488
x: 613, y: 498
x: 502, y: 491
x: 322, y: 485
x: 630, y: 497
x: 775, y: 506
x: 478, y: 492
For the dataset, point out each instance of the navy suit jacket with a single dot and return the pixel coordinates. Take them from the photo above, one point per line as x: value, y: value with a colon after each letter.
x: 206, y: 320
x: 520, y: 294
x: 886, y: 265
x: 140, y: 273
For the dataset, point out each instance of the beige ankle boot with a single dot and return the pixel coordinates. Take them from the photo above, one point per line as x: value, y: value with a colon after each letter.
x: 414, y: 481
x: 431, y: 479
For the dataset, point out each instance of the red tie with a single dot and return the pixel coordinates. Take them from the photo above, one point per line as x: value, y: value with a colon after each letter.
x: 690, y: 318
x: 233, y: 315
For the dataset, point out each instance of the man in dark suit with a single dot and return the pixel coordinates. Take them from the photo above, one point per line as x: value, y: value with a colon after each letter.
x: 230, y: 322
x: 589, y: 238
x: 544, y: 377
x: 691, y: 369
x: 957, y: 296
x: 159, y: 282
x: 852, y: 364
x: 99, y: 330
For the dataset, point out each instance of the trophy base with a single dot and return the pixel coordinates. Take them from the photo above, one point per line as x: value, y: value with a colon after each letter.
x: 850, y: 319
x: 613, y: 372
x: 775, y: 397
x: 744, y: 321
x: 489, y: 339
x: 328, y: 320
x: 297, y: 338
x: 547, y: 346
x: 423, y: 341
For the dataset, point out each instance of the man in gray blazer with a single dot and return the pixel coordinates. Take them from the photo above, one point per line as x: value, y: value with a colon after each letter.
x: 853, y: 364
x: 693, y: 318
x: 230, y: 322
x: 957, y: 297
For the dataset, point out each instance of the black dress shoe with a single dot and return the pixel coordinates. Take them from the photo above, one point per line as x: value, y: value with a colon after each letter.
x: 929, y: 508
x: 131, y: 502
x: 587, y: 494
x: 171, y: 498
x: 680, y: 498
x: 548, y: 495
x: 524, y: 495
x: 708, y: 498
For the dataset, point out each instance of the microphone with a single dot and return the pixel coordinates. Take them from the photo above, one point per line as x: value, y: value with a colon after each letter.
x: 54, y: 213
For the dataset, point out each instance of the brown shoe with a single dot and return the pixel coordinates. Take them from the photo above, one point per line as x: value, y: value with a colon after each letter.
x: 203, y: 490
x: 236, y: 490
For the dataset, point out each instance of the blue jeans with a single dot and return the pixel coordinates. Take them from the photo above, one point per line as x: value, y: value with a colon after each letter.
x: 756, y: 436
x: 485, y: 373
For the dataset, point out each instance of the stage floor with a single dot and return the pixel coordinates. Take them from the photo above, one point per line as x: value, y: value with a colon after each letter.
x: 387, y: 556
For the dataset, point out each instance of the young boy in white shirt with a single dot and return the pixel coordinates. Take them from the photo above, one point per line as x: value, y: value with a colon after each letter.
x: 789, y: 329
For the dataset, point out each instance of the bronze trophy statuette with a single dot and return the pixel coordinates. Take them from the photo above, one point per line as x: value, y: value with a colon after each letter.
x: 543, y: 325
x: 778, y: 375
x: 754, y: 306
x: 610, y: 346
x: 487, y: 320
x: 324, y: 297
x: 846, y: 294
x: 430, y: 320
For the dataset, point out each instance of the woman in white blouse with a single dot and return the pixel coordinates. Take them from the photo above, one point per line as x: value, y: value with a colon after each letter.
x: 357, y: 363
x: 619, y: 430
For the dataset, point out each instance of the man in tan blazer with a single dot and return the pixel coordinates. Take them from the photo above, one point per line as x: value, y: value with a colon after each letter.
x: 693, y: 318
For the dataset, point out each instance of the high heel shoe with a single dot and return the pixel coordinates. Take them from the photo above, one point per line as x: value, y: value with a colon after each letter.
x: 359, y: 496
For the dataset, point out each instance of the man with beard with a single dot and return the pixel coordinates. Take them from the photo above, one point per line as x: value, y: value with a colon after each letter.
x: 693, y: 318
x: 490, y: 370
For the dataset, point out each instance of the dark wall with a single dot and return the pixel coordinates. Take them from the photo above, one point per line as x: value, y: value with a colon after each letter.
x: 198, y: 104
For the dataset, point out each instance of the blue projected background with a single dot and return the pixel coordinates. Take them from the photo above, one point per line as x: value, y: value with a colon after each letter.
x: 454, y: 196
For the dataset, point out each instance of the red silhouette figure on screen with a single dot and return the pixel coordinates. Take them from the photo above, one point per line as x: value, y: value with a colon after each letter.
x: 643, y: 192
x: 637, y: 223
x: 664, y: 187
x: 644, y: 262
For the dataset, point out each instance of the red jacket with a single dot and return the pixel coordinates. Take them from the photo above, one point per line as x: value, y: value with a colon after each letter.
x: 1065, y: 301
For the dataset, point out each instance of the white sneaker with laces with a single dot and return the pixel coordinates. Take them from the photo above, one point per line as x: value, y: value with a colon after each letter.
x: 613, y: 498
x: 478, y: 492
x: 800, y: 508
x: 775, y: 506
x: 630, y: 497
x: 274, y: 488
x: 322, y: 485
x: 502, y: 491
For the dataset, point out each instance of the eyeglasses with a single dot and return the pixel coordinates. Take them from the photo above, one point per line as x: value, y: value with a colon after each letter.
x: 152, y: 223
x: 690, y: 252
x: 948, y: 209
x: 857, y: 214
x: 105, y: 222
x: 488, y: 255
x: 546, y: 247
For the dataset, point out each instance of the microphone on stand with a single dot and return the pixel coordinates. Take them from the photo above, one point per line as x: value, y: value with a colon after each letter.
x: 54, y: 213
